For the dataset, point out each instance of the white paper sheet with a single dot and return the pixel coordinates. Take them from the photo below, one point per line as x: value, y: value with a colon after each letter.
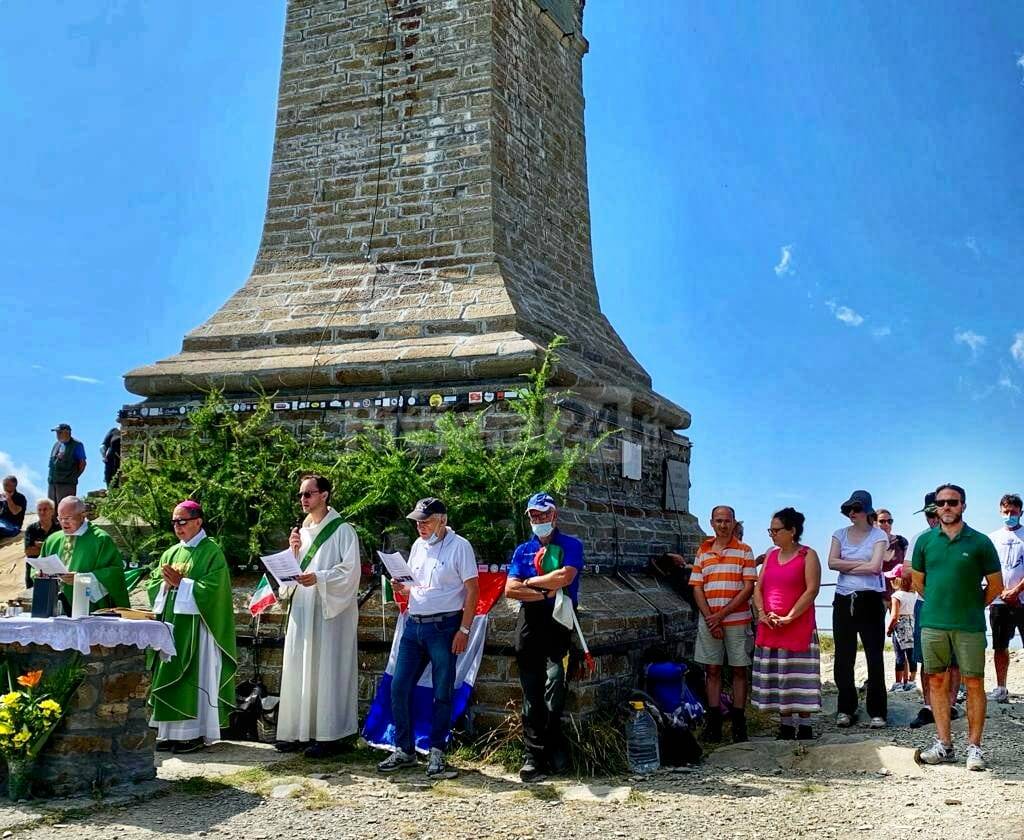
x: 283, y: 565
x: 51, y: 565
x: 398, y: 567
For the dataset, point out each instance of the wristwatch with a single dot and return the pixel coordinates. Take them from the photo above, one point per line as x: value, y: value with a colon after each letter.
x: 464, y: 630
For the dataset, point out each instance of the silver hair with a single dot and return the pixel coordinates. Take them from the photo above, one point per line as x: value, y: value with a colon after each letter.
x: 46, y: 501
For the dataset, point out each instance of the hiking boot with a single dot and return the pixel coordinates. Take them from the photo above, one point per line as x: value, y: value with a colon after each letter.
x: 323, y: 749
x: 999, y: 694
x: 739, y: 726
x: 975, y: 757
x: 844, y: 720
x: 896, y: 686
x: 288, y: 746
x: 165, y: 745
x: 909, y: 686
x: 804, y: 732
x: 924, y: 717
x: 531, y: 772
x: 713, y: 727
x: 436, y: 767
x: 786, y: 733
x: 398, y: 760
x: 937, y: 753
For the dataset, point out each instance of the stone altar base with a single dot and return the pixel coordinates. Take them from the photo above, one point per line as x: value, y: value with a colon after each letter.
x: 104, y: 738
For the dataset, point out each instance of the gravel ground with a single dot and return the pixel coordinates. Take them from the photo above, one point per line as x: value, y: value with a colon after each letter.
x: 862, y: 783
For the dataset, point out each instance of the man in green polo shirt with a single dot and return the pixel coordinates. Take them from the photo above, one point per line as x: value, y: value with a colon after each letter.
x: 950, y: 563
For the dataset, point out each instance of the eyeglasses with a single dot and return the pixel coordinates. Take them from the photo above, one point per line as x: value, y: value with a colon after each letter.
x: 71, y: 518
x: 177, y: 523
x: 774, y: 531
x: 305, y: 494
x: 885, y: 522
x: 947, y: 503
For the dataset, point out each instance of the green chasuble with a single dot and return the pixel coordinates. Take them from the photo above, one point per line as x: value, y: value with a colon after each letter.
x: 95, y: 553
x: 175, y: 692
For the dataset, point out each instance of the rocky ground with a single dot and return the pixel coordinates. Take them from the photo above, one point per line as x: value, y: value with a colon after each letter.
x: 862, y: 783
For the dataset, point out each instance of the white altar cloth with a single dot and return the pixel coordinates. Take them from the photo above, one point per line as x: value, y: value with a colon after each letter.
x: 64, y: 633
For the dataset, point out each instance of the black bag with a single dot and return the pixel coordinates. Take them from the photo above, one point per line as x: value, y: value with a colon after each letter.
x: 243, y: 722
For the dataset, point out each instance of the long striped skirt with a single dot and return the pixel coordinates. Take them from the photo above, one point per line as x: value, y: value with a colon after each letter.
x: 786, y: 681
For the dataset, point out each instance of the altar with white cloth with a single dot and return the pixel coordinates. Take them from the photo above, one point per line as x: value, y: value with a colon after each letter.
x: 104, y: 738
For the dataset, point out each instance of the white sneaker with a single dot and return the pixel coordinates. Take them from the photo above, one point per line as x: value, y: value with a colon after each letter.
x: 999, y: 694
x: 937, y: 753
x: 975, y: 757
x: 877, y: 723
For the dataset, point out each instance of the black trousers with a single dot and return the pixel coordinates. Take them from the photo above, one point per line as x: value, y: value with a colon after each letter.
x: 860, y: 614
x: 541, y: 646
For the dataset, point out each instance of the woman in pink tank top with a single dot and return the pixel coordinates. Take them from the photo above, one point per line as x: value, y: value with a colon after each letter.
x: 787, y: 675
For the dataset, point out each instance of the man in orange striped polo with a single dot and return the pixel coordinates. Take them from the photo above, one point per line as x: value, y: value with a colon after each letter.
x: 723, y: 580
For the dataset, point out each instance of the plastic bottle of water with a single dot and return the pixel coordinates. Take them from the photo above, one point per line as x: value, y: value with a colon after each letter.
x: 642, y: 740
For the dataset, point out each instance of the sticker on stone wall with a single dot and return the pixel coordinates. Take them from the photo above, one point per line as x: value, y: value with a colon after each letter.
x: 436, y: 400
x: 451, y: 398
x: 282, y: 406
x: 412, y: 400
x: 489, y: 396
x: 476, y: 397
x: 366, y: 403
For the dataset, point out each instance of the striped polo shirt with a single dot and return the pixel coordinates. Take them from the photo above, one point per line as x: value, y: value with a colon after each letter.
x: 722, y: 576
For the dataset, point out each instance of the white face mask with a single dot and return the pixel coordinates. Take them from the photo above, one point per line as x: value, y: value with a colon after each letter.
x: 542, y: 529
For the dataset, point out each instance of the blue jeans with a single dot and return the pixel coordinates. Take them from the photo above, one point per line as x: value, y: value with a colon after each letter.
x: 424, y: 644
x: 8, y: 530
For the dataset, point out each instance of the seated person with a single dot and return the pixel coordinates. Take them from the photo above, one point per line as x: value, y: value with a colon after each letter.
x: 12, y: 508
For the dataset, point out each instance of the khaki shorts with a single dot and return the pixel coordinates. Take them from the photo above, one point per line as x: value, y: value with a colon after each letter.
x: 736, y: 647
x: 943, y: 648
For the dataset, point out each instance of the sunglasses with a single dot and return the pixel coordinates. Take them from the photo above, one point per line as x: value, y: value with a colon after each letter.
x: 177, y: 523
x: 854, y: 509
x: 947, y: 503
x: 305, y: 494
x: 885, y: 522
x: 774, y: 531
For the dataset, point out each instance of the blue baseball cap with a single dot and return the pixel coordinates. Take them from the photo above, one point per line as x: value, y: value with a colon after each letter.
x: 542, y: 502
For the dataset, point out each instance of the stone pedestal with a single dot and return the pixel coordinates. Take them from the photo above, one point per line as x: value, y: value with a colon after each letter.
x: 104, y: 738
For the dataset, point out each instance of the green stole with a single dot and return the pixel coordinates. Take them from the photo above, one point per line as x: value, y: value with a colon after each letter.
x: 175, y: 691
x: 94, y: 553
x: 325, y: 534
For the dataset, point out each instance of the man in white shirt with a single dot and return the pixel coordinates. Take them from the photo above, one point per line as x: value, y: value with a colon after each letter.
x: 442, y: 603
x: 1006, y: 615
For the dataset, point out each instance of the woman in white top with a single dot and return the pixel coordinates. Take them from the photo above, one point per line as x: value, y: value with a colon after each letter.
x: 857, y: 553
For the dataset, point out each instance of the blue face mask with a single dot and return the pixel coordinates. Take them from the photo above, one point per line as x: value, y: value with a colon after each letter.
x: 1011, y: 521
x: 542, y: 529
x: 434, y: 539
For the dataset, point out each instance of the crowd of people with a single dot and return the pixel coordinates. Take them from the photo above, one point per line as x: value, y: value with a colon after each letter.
x: 756, y: 615
x: 934, y: 589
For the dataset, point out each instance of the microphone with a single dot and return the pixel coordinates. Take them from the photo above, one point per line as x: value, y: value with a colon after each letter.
x: 298, y: 522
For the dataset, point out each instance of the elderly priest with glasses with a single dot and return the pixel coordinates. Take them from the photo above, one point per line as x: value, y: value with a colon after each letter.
x: 191, y: 588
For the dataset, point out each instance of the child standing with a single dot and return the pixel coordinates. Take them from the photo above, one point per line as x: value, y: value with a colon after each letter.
x: 901, y: 628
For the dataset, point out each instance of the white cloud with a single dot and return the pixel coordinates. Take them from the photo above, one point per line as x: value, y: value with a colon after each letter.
x: 1008, y: 384
x: 88, y: 380
x: 971, y: 339
x: 1020, y: 64
x: 1017, y: 348
x: 843, y: 313
x: 971, y: 244
x: 881, y: 332
x: 27, y: 478
x: 785, y: 265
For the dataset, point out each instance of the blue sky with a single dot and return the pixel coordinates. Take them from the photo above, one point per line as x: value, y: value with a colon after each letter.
x: 807, y: 226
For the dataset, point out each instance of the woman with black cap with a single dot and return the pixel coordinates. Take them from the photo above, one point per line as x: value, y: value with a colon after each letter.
x: 857, y: 553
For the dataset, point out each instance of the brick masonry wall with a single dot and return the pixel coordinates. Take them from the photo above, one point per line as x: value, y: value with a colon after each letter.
x: 104, y: 738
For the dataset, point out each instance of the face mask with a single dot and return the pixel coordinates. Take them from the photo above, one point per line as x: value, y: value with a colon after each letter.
x: 542, y: 529
x: 1011, y: 521
x: 433, y: 539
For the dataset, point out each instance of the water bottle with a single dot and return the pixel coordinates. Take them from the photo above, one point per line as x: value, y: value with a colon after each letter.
x: 642, y: 740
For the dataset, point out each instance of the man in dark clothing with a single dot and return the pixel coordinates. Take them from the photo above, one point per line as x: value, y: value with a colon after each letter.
x: 12, y: 508
x: 67, y: 463
x: 111, y: 452
x: 544, y: 577
x: 38, y: 531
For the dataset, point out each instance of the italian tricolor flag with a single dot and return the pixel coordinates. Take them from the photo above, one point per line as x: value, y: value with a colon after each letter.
x: 263, y: 597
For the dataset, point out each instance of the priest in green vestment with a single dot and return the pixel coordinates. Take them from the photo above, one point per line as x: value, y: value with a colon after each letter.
x: 193, y: 692
x: 84, y: 548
